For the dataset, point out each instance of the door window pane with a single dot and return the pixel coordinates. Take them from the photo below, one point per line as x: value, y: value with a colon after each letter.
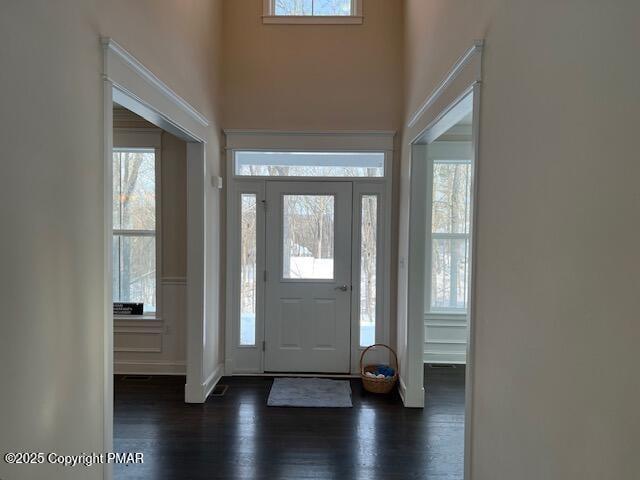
x: 449, y: 260
x: 368, y: 263
x: 309, y: 164
x: 248, y: 270
x: 308, y: 230
x: 135, y: 259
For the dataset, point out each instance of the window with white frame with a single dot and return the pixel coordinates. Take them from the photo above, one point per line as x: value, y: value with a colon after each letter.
x: 312, y: 11
x: 248, y: 264
x: 450, y: 217
x: 368, y: 268
x: 134, y: 227
x: 308, y: 164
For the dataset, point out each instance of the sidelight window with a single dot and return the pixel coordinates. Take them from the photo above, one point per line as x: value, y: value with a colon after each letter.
x: 248, y: 280
x: 368, y: 268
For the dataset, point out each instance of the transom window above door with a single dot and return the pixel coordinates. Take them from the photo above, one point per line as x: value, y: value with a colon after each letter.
x: 308, y: 164
x: 312, y: 11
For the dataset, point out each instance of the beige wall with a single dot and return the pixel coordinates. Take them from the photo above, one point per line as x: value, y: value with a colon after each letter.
x: 174, y: 206
x: 557, y: 330
x: 306, y: 77
x: 51, y: 202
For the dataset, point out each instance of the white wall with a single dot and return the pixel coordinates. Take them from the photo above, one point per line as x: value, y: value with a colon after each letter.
x: 445, y: 338
x: 320, y: 77
x: 51, y: 212
x: 557, y: 330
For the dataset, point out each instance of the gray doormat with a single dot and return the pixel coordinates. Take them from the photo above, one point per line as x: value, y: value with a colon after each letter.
x: 310, y: 392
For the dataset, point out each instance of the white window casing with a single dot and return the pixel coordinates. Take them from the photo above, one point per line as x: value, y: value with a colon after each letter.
x: 271, y: 16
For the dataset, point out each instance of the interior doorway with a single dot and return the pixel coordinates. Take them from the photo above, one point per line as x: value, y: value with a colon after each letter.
x: 441, y: 244
x: 128, y: 83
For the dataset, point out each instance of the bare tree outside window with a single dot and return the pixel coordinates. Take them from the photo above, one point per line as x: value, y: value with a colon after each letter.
x: 308, y: 226
x: 248, y: 262
x: 368, y: 264
x: 450, y: 235
x: 308, y: 236
x: 312, y: 7
x: 309, y: 164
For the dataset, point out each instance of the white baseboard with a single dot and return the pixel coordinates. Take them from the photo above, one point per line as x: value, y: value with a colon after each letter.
x: 213, y: 379
x: 293, y: 375
x: 402, y: 390
x: 198, y: 393
x: 411, y: 398
x: 148, y: 367
x: 228, y: 367
x: 445, y: 357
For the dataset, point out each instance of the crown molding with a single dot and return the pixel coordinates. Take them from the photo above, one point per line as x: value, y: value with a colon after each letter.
x: 454, y: 71
x: 383, y: 133
x: 112, y: 48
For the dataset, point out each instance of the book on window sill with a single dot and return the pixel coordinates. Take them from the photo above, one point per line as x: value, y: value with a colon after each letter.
x: 128, y: 308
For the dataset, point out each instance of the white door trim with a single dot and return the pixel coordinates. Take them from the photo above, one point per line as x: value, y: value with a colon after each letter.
x: 472, y: 53
x: 463, y: 80
x: 128, y: 82
x: 241, y: 360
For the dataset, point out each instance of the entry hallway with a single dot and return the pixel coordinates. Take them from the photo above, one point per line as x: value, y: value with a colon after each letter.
x: 237, y: 436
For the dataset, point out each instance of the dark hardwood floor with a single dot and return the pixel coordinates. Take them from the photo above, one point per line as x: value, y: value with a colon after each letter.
x: 237, y: 436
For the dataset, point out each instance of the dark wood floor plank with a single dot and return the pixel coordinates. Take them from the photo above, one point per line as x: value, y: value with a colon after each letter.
x: 237, y: 436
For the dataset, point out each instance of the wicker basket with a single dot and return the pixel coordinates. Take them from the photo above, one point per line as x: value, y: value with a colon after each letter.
x: 377, y: 385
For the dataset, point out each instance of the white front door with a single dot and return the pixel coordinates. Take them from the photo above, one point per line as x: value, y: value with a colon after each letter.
x: 308, y: 278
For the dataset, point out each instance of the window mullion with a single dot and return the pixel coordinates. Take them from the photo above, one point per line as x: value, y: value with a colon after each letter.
x: 450, y: 236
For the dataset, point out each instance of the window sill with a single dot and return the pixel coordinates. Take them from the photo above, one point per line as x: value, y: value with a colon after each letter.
x: 445, y: 314
x: 312, y: 20
x: 135, y: 318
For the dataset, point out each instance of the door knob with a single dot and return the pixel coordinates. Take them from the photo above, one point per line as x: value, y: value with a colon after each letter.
x: 344, y: 288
